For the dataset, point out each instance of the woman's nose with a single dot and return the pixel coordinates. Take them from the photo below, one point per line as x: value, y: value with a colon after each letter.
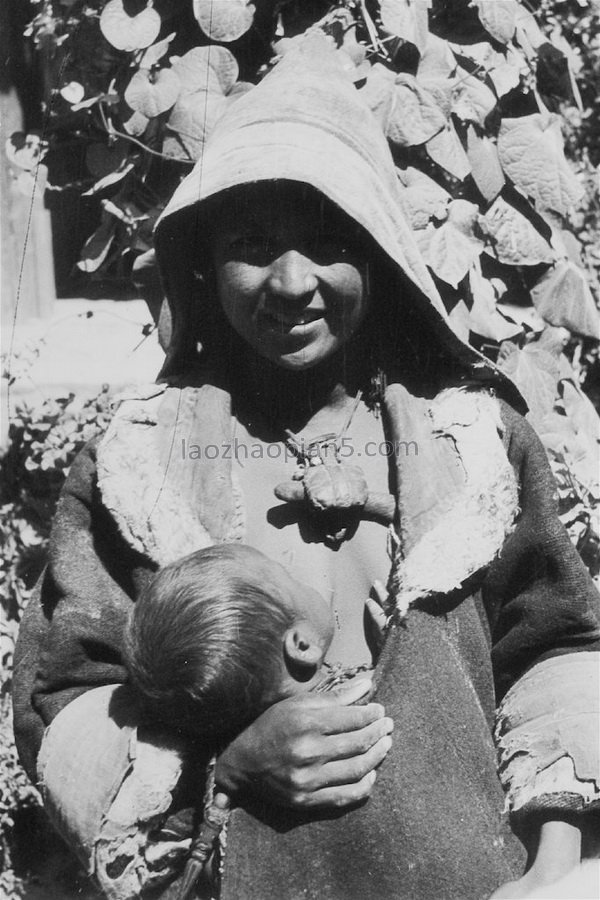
x: 292, y: 276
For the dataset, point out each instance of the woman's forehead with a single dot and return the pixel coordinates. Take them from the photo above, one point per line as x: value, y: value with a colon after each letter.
x: 268, y: 206
x: 273, y: 201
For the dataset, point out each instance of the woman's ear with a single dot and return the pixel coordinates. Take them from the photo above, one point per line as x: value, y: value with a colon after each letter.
x: 303, y: 646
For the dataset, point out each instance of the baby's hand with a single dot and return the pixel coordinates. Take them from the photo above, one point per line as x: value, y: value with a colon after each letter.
x: 377, y: 617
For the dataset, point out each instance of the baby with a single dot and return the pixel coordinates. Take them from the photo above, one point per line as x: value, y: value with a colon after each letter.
x: 222, y: 634
x: 218, y: 637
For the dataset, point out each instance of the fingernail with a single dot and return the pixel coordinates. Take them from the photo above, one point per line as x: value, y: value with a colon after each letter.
x: 386, y: 743
x: 372, y: 776
x: 388, y: 724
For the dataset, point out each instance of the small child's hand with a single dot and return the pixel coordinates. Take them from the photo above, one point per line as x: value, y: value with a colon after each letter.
x: 377, y: 617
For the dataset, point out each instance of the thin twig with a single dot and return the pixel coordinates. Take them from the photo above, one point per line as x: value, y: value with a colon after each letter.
x: 110, y: 129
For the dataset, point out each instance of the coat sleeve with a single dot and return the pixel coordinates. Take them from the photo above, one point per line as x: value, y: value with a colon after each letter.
x: 545, y: 619
x: 108, y: 785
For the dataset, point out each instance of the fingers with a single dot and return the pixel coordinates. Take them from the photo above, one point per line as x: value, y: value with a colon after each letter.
x: 349, y: 719
x: 344, y: 783
x: 352, y: 692
x: 352, y: 771
x: 335, y: 797
x: 351, y: 744
x: 380, y: 592
x: 378, y: 617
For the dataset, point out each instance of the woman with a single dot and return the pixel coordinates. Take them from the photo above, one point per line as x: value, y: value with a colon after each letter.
x: 327, y: 343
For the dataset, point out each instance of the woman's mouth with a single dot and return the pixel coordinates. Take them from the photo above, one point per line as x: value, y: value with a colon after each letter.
x: 287, y: 322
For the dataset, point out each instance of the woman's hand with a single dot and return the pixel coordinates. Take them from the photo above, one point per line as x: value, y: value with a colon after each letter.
x: 310, y: 751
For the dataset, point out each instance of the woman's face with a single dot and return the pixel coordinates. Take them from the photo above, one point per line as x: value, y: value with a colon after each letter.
x: 290, y: 274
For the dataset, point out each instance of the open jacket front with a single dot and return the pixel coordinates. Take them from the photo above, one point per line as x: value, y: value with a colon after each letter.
x: 495, y: 604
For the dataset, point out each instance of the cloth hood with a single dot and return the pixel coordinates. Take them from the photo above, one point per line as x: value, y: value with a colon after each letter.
x: 305, y: 122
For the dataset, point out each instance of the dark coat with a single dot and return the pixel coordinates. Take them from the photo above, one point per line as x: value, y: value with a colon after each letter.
x: 435, y: 826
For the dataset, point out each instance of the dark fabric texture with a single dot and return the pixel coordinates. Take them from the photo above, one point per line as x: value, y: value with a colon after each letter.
x: 70, y: 636
x: 434, y: 826
x: 539, y: 597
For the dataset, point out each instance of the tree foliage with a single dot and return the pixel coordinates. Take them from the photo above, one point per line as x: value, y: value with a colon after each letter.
x: 43, y: 441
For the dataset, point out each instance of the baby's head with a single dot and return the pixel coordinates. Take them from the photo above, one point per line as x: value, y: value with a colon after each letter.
x: 221, y: 635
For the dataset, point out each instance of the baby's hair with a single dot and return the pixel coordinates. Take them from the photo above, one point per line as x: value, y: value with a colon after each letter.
x: 204, y: 644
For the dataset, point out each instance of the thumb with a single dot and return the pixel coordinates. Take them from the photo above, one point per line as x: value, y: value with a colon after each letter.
x: 290, y: 491
x: 356, y: 689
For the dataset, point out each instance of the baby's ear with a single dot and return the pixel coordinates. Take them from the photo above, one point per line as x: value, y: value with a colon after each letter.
x: 303, y: 645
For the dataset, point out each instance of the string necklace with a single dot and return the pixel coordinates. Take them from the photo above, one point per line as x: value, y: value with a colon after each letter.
x: 325, y: 448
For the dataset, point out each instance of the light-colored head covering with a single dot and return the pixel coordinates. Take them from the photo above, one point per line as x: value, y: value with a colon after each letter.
x: 305, y: 122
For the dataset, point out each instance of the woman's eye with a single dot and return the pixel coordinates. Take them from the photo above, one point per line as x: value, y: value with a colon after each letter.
x: 251, y: 248
x: 330, y: 248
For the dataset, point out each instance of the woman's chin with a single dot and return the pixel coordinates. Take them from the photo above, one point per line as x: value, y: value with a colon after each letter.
x: 299, y: 359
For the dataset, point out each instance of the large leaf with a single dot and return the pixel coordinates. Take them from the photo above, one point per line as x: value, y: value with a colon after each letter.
x: 515, y: 240
x: 378, y: 93
x: 504, y: 69
x: 419, y: 110
x: 484, y: 317
x: 526, y: 316
x: 95, y: 249
x: 437, y: 60
x: 452, y: 249
x: 531, y: 154
x: 446, y: 150
x: 224, y: 20
x: 472, y: 100
x: 127, y: 32
x: 423, y: 199
x: 529, y: 36
x: 562, y: 297
x: 583, y: 451
x: 73, y: 92
x: 136, y: 124
x: 498, y: 17
x: 406, y: 19
x: 209, y: 68
x: 535, y: 373
x: 482, y: 154
x: 155, y: 52
x: 207, y: 75
x: 566, y: 245
x: 152, y: 94
x: 459, y: 321
x: 192, y: 119
x: 110, y: 179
